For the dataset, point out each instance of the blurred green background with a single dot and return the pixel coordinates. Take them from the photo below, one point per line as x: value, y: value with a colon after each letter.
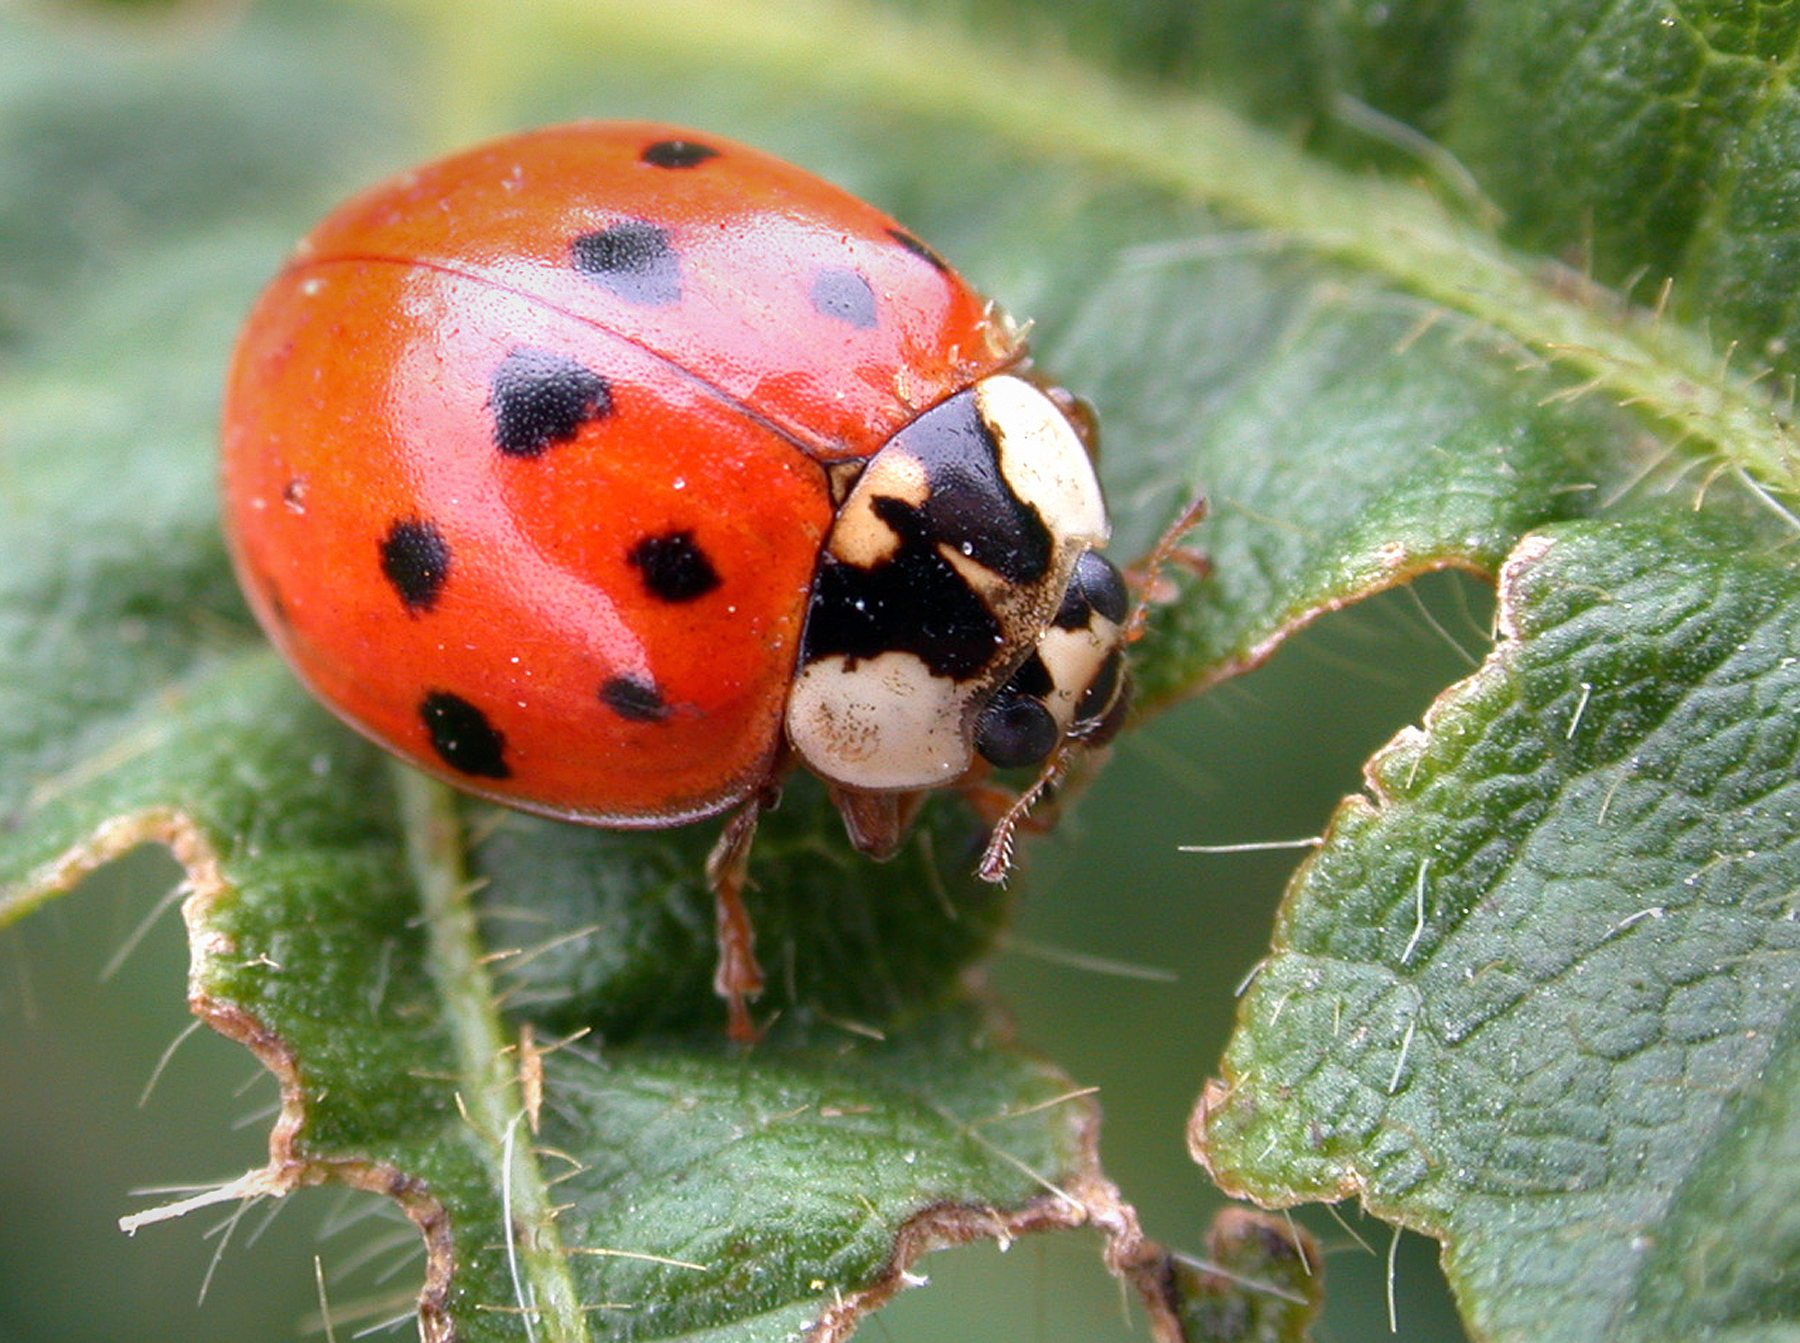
x: 1261, y: 758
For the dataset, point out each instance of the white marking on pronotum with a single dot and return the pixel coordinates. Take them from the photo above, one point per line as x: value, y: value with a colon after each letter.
x: 1042, y: 458
x: 886, y: 723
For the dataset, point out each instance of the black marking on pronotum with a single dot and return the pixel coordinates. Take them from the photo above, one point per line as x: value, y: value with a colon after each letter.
x: 632, y: 259
x: 462, y: 736
x: 634, y: 699
x: 843, y: 295
x: 972, y: 507
x: 415, y: 559
x: 677, y: 154
x: 919, y: 249
x: 1032, y: 679
x: 540, y: 398
x: 913, y: 601
x: 674, y: 568
x: 1095, y: 586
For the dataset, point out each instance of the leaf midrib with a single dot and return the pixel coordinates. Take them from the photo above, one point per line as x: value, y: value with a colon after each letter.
x: 487, y: 1083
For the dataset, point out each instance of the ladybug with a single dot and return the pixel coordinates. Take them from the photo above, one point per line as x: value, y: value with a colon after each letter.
x: 609, y: 471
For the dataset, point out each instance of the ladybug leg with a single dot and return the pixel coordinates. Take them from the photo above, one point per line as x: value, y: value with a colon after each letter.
x: 738, y: 977
x: 1146, y: 574
x: 991, y: 802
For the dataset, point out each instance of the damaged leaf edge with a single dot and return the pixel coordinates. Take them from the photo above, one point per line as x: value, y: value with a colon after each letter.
x: 286, y: 1170
x: 1084, y: 1198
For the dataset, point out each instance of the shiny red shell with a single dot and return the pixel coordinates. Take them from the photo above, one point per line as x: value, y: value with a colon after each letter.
x: 584, y: 594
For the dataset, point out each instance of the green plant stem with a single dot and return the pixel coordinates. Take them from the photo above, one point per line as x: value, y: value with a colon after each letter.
x: 487, y: 1078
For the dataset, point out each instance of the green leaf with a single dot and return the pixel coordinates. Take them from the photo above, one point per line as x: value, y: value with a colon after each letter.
x: 1367, y: 370
x: 1538, y: 991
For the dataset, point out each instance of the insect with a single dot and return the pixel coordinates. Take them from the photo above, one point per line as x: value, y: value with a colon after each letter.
x: 610, y: 471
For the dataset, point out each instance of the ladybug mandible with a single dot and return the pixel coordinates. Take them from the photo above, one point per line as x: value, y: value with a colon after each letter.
x: 609, y: 470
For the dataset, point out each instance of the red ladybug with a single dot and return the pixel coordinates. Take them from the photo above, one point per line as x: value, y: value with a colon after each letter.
x: 609, y: 470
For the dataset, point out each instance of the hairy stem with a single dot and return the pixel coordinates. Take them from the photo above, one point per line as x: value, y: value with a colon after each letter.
x: 487, y: 1076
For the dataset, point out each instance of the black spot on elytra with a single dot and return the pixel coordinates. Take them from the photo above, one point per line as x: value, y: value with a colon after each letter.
x: 674, y: 568
x: 919, y: 249
x: 639, y: 701
x: 415, y: 559
x: 677, y: 154
x: 463, y: 737
x: 632, y: 259
x: 540, y: 398
x: 843, y: 295
x: 1095, y: 586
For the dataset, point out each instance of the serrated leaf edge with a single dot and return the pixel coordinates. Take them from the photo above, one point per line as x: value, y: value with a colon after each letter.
x: 1088, y: 1200
x: 1354, y: 811
x: 1393, y: 568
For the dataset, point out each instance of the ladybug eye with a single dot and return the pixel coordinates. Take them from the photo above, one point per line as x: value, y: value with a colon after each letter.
x: 1096, y: 587
x: 1015, y: 730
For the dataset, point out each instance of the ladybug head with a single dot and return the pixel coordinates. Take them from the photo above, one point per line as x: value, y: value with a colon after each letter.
x: 960, y: 606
